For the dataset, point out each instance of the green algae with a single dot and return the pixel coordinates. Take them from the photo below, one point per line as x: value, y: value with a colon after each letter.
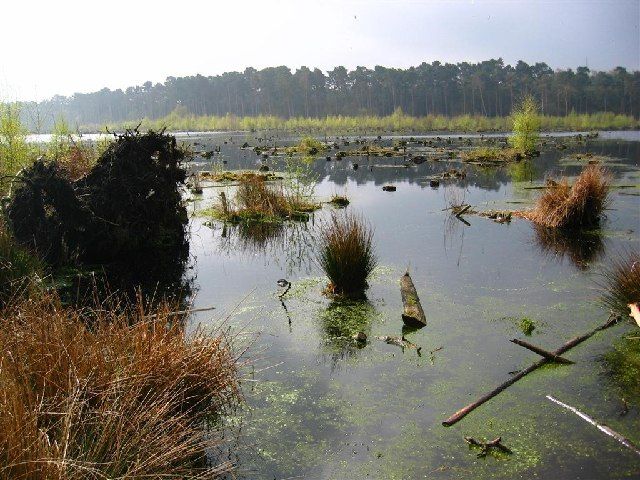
x: 623, y: 366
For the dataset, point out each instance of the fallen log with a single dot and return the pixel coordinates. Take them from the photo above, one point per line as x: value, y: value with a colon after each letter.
x: 603, y: 428
x: 544, y: 353
x: 456, y: 417
x: 412, y: 314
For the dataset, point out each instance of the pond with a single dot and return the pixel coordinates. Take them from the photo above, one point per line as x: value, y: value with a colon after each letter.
x: 321, y: 407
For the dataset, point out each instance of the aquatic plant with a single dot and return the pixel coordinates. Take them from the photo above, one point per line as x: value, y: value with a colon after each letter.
x: 130, y: 397
x: 255, y: 200
x: 307, y: 146
x: 576, y: 206
x: 527, y: 326
x: 621, y: 283
x: 346, y: 253
x: 526, y: 126
x: 339, y: 201
x: 491, y: 154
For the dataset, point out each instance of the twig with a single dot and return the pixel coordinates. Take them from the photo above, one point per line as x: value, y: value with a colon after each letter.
x: 548, y: 355
x: 456, y: 417
x: 603, y: 428
x: 486, y: 446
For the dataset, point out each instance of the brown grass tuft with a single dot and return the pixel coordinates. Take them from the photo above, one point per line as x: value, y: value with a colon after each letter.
x: 622, y: 283
x: 573, y: 207
x: 129, y: 397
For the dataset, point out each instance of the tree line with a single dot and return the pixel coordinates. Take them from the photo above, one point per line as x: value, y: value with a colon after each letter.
x: 489, y: 88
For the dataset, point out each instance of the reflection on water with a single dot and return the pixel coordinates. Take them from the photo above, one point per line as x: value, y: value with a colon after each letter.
x: 156, y: 276
x: 290, y: 242
x: 581, y: 247
x: 340, y: 322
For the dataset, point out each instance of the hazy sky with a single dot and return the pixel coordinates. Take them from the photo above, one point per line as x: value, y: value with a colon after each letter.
x: 66, y: 46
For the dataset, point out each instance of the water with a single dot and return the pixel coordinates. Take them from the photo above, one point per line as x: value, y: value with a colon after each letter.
x: 319, y: 407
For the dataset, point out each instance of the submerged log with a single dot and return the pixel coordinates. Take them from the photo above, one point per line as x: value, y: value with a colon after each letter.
x: 456, y: 417
x: 412, y: 315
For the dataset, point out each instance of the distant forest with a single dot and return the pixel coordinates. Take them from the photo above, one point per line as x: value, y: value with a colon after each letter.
x: 488, y: 88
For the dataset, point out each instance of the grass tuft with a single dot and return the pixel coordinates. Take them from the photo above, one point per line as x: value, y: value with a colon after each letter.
x: 622, y: 283
x: 346, y: 253
x: 573, y: 207
x: 130, y: 397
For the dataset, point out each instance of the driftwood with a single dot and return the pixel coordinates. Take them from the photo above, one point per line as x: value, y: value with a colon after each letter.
x: 486, y: 446
x: 603, y: 428
x: 568, y: 345
x: 412, y: 314
x: 546, y: 354
x: 399, y: 342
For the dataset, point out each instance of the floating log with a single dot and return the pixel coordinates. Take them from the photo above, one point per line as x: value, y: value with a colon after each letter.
x: 412, y: 315
x: 546, y: 354
x: 603, y: 428
x: 456, y: 417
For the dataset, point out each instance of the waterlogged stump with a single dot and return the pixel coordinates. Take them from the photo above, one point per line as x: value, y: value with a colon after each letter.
x: 412, y: 314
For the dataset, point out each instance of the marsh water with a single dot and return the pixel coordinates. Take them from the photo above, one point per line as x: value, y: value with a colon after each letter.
x: 319, y: 406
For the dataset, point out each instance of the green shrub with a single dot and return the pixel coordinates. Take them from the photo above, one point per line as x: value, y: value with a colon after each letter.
x: 526, y: 126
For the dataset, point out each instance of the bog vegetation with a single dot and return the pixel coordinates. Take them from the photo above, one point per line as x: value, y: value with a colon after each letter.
x: 573, y: 206
x: 126, y: 398
x: 346, y: 253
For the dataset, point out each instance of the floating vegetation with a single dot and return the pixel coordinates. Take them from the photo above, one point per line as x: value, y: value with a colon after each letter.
x: 527, y: 326
x: 339, y: 201
x: 307, y: 146
x: 238, y: 175
x: 623, y: 366
x: 573, y: 207
x: 255, y: 201
x: 346, y: 254
x: 487, y: 156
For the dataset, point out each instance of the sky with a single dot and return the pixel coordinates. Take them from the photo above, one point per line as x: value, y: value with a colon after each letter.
x: 68, y: 46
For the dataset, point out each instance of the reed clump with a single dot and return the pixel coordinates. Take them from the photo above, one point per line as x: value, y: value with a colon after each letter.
x: 346, y: 253
x: 573, y: 206
x: 128, y: 397
x: 622, y: 283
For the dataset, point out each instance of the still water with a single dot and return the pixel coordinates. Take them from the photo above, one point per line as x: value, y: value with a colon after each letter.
x: 318, y: 407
